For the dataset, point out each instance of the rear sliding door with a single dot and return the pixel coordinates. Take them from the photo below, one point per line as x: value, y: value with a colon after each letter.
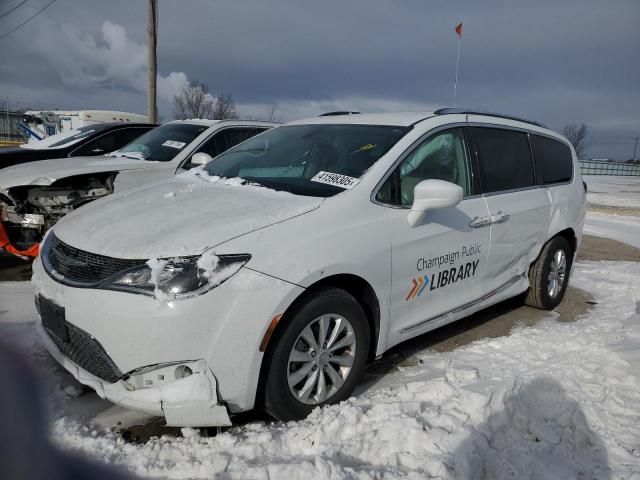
x: 519, y: 208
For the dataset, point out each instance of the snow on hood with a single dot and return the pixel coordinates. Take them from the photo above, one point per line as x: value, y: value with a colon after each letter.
x: 181, y: 216
x: 45, y: 172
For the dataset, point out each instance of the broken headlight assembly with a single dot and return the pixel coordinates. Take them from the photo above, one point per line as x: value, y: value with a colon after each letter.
x: 178, y: 277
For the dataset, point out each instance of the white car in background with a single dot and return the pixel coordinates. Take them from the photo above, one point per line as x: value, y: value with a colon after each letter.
x: 270, y: 276
x: 34, y: 196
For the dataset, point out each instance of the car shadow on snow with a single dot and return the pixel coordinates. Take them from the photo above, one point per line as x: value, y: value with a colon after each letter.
x: 536, y: 432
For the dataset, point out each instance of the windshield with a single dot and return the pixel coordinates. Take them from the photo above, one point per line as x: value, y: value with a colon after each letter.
x: 313, y: 160
x: 162, y: 143
x: 63, y: 139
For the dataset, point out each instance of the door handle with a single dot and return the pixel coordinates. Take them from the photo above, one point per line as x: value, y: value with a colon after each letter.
x: 478, y: 222
x: 500, y: 217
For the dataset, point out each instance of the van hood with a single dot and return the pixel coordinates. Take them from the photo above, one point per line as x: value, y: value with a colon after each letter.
x: 185, y: 215
x: 45, y: 172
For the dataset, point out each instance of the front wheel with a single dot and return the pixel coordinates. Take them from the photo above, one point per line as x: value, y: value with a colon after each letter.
x: 318, y: 358
x: 549, y: 275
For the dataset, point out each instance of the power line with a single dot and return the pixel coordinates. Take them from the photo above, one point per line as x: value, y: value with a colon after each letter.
x: 12, y: 9
x: 28, y: 19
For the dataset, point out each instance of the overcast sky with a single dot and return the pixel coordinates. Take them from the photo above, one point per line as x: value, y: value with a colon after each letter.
x: 555, y: 61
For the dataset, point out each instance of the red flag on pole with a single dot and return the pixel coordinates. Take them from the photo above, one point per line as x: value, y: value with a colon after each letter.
x: 459, y: 29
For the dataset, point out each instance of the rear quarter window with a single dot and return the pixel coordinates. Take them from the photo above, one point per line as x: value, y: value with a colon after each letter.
x: 554, y: 163
x: 505, y: 159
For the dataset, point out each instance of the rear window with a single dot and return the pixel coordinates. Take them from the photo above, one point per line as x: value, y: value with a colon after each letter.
x: 505, y: 159
x: 553, y: 159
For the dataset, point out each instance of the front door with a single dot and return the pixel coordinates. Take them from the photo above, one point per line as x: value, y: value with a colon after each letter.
x: 437, y: 265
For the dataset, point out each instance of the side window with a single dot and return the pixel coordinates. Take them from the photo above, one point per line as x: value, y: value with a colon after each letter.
x: 553, y: 160
x: 442, y: 156
x: 109, y: 142
x: 505, y: 159
x: 225, y: 139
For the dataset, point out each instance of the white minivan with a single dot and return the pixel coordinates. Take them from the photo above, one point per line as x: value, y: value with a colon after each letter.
x: 271, y: 276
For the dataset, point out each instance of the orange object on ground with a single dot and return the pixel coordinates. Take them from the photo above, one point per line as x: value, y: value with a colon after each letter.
x: 5, y: 243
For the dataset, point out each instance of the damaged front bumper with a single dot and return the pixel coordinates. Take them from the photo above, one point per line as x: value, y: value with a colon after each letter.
x: 19, y: 233
x: 8, y: 214
x: 28, y: 220
x: 185, y: 393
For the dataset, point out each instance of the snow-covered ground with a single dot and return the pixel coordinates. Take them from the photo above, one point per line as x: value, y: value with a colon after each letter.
x: 624, y: 228
x: 556, y: 400
x: 613, y: 191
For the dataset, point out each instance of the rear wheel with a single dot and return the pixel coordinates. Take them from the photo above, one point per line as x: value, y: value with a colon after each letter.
x: 318, y: 358
x: 549, y: 275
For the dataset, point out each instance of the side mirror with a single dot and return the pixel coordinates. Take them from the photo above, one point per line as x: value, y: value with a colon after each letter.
x: 431, y: 195
x: 200, y: 158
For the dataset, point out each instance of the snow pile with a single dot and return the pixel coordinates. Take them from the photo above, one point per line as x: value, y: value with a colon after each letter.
x: 157, y: 267
x: 128, y: 154
x: 210, y: 268
x: 208, y: 263
x: 558, y: 400
x: 234, y: 181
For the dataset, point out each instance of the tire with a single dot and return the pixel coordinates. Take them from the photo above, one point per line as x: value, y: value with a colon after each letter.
x: 331, y: 308
x: 541, y: 294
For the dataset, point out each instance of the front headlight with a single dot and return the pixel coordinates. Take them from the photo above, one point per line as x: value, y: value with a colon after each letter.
x: 179, y: 277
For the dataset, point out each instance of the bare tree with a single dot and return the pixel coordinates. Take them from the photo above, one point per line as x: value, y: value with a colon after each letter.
x: 272, y: 113
x: 577, y: 135
x: 225, y: 107
x: 194, y: 101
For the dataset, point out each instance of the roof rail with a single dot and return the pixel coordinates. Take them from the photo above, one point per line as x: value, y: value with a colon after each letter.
x: 464, y: 111
x: 331, y: 114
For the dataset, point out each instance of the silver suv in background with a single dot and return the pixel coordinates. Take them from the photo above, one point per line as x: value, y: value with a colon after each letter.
x: 34, y: 196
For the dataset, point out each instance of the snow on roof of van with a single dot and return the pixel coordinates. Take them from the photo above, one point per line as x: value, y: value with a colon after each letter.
x: 197, y: 121
x: 400, y: 119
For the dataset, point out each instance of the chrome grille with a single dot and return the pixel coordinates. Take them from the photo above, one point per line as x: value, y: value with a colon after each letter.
x: 78, y: 267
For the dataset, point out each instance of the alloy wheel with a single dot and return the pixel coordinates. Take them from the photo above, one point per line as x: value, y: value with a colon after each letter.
x: 321, y: 359
x: 557, y: 273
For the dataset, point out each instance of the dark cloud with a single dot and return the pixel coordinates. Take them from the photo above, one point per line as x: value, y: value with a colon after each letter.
x: 556, y: 62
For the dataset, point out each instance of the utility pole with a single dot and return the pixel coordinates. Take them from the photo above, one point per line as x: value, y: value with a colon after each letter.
x: 152, y: 40
x: 635, y: 147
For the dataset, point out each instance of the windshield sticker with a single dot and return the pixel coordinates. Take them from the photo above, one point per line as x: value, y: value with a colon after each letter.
x: 173, y: 144
x: 363, y: 148
x: 335, y: 179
